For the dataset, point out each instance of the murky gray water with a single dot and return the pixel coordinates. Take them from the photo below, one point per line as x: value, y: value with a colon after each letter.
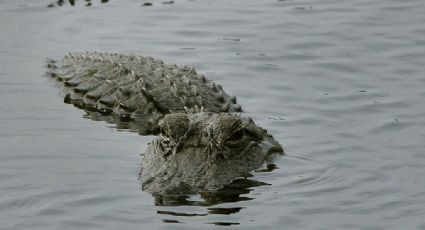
x: 339, y: 83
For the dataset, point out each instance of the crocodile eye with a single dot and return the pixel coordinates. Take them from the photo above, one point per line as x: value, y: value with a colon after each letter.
x: 252, y: 134
x: 236, y: 135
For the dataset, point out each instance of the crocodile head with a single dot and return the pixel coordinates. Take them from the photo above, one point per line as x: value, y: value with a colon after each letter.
x: 203, y: 152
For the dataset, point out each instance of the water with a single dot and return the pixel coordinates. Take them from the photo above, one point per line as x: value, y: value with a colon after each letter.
x: 339, y: 83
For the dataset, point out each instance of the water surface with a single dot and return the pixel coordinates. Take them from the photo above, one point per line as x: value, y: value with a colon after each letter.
x: 339, y: 83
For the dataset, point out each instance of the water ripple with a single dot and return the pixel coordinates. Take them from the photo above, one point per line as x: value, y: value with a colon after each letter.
x: 338, y: 83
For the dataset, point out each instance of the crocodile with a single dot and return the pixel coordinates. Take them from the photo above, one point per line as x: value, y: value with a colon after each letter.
x: 136, y: 88
x: 203, y: 143
x: 204, y: 151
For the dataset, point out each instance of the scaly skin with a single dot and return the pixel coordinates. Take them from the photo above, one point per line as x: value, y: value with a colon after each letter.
x: 136, y: 88
x: 203, y: 152
x: 197, y: 151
